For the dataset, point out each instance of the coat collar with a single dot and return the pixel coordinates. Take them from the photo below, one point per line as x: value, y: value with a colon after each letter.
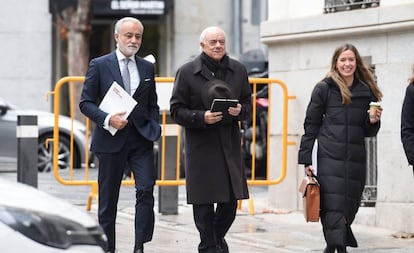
x: 358, y: 88
x: 199, y: 68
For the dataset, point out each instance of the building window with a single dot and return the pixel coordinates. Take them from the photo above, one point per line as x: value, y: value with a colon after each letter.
x: 347, y: 5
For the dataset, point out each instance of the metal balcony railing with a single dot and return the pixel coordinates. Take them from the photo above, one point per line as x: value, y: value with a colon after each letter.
x: 347, y: 5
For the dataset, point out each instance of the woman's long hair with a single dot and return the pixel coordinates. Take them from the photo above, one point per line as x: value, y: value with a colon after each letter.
x: 411, y: 79
x: 362, y: 73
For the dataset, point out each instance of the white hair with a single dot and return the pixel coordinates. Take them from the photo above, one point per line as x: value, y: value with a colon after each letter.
x: 209, y: 29
x: 127, y: 19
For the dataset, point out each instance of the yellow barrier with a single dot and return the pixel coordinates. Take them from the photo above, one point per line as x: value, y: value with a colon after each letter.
x: 252, y: 181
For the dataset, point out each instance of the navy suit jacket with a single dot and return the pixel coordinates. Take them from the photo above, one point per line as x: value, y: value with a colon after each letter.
x: 102, y: 72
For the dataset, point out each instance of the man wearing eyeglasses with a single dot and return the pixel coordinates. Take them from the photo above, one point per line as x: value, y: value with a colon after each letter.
x: 215, y: 177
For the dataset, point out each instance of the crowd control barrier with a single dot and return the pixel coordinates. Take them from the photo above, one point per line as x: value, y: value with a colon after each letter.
x: 169, y: 172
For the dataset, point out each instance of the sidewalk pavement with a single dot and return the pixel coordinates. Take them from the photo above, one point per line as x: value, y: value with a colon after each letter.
x: 267, y: 231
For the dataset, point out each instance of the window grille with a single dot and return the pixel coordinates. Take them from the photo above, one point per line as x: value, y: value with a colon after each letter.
x: 369, y: 195
x: 347, y: 5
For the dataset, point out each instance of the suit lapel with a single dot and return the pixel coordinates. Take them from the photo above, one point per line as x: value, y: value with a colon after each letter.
x: 142, y: 76
x: 199, y: 67
x: 113, y: 67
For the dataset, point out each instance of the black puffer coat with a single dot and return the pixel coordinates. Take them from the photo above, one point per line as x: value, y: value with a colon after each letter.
x: 341, y: 169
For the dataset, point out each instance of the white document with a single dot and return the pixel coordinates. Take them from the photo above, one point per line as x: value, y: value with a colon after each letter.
x: 117, y: 100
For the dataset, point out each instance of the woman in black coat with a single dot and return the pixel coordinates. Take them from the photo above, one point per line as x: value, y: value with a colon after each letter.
x: 407, y: 121
x: 337, y: 116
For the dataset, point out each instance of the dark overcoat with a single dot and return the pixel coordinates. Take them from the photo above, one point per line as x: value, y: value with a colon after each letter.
x: 213, y: 160
x: 341, y: 169
x: 407, y: 123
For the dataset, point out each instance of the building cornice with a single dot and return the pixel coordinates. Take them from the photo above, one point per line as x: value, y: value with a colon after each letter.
x: 360, y: 22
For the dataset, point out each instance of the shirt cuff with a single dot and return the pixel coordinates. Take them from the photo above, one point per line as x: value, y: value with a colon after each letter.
x: 106, y: 122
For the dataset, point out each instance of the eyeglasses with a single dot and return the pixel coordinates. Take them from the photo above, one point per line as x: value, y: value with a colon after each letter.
x: 214, y: 42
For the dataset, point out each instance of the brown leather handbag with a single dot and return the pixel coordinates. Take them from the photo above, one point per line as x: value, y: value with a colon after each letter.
x: 311, y: 198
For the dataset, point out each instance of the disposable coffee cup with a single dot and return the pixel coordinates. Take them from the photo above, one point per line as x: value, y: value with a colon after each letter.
x: 373, y: 106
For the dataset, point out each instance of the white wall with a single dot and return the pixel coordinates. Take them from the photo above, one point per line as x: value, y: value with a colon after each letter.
x: 25, y: 40
x: 385, y: 3
x: 192, y: 16
x: 282, y: 9
x: 250, y: 32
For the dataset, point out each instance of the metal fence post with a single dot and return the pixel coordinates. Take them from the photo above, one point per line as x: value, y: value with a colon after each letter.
x: 27, y: 134
x: 168, y: 195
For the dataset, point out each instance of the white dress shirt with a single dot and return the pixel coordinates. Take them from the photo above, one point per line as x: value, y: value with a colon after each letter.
x: 134, y: 77
x: 133, y: 70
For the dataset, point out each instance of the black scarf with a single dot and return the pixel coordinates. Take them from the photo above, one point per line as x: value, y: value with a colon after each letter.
x: 219, y: 69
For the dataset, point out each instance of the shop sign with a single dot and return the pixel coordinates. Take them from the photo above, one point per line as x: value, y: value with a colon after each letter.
x: 148, y: 7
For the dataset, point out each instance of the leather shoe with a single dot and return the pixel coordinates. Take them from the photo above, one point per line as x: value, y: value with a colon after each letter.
x: 211, y: 249
x: 222, y: 246
x: 341, y: 249
x: 139, y: 248
x: 329, y: 249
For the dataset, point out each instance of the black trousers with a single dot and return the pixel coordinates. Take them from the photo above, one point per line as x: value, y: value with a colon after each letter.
x: 213, y: 222
x: 138, y: 155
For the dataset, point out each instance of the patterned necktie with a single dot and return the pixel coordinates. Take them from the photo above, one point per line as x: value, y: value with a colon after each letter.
x: 125, y: 76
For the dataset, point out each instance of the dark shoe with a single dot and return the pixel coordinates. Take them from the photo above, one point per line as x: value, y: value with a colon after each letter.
x: 329, y: 249
x: 212, y: 249
x: 139, y: 248
x: 341, y: 249
x: 222, y: 246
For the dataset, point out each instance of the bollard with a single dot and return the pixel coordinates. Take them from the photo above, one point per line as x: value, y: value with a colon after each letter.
x: 168, y: 195
x: 27, y: 157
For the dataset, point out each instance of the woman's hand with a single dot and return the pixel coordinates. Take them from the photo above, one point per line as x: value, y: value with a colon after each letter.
x: 309, y: 170
x: 376, y: 117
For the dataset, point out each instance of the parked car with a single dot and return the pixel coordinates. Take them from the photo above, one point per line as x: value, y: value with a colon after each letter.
x: 34, y: 221
x: 8, y: 148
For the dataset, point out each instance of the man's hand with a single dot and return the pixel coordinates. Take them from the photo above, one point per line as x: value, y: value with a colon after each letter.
x: 212, y: 117
x: 117, y: 121
x: 235, y: 111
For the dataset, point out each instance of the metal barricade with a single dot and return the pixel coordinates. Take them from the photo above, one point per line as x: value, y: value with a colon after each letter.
x: 162, y: 181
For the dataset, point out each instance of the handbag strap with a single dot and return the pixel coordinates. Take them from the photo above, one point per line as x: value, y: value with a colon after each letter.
x: 313, y: 179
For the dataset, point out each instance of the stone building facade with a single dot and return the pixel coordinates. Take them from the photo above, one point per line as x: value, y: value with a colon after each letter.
x: 301, y: 37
